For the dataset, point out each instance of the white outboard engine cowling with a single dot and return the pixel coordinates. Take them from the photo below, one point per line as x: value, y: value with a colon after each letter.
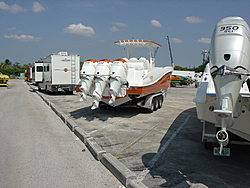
x: 230, y: 59
x: 101, y: 80
x: 87, y: 77
x: 118, y: 77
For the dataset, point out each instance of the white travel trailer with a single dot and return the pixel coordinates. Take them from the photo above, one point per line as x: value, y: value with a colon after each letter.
x: 37, y: 72
x: 223, y: 99
x: 60, y: 72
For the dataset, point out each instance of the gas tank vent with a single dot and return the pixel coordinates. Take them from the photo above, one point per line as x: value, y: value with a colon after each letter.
x: 227, y: 57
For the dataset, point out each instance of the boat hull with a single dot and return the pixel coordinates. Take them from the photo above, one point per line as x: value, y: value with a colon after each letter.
x: 241, y: 124
x: 135, y: 92
x: 162, y: 84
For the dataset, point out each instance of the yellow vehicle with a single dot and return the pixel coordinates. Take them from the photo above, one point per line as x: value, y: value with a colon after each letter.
x: 4, y: 79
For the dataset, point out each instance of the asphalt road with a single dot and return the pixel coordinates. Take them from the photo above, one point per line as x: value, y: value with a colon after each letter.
x: 38, y: 150
x: 162, y: 148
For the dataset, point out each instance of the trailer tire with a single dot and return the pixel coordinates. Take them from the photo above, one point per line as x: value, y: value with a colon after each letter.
x: 46, y: 90
x: 173, y: 84
x: 103, y: 106
x: 152, y: 106
x: 69, y: 92
x: 156, y: 103
x: 160, y: 101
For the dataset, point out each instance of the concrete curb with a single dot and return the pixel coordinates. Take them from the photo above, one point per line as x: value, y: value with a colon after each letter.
x: 135, y: 184
x: 95, y: 148
x: 119, y: 170
x: 64, y: 118
x: 122, y: 173
x: 71, y: 124
x: 81, y: 134
x: 56, y: 110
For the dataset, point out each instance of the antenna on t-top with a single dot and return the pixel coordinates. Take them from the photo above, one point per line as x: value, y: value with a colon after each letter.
x: 171, y: 57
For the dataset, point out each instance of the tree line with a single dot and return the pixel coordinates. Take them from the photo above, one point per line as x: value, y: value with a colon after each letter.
x: 15, y: 69
x: 200, y: 68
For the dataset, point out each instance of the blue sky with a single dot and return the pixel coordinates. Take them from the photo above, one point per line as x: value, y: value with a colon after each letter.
x: 30, y: 30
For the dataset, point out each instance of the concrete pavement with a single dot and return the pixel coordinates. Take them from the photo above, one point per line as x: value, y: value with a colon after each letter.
x: 159, y: 149
x: 38, y: 150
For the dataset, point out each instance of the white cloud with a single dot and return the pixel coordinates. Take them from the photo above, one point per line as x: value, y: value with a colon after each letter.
x: 4, y: 6
x: 37, y: 7
x: 14, y: 29
x: 194, y: 19
x: 87, y: 4
x: 114, y: 29
x: 204, y: 40
x: 11, y: 29
x: 120, y: 24
x: 155, y: 23
x: 13, y: 8
x: 24, y: 38
x: 80, y: 30
x: 176, y: 40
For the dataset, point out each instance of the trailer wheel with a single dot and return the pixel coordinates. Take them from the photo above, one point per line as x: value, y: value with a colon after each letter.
x: 103, y: 106
x: 160, y: 101
x: 46, y: 90
x: 152, y: 106
x: 173, y: 84
x: 69, y: 92
x: 156, y: 103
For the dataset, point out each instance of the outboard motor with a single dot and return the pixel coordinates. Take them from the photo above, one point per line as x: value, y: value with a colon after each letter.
x: 101, y: 80
x: 87, y: 77
x: 118, y: 77
x: 230, y: 59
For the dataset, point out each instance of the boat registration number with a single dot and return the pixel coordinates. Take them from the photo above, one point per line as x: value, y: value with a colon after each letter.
x: 225, y: 151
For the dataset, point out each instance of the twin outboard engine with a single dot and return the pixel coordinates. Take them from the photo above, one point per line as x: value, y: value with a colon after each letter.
x: 230, y: 59
x: 101, y: 79
x: 87, y: 77
x: 118, y: 77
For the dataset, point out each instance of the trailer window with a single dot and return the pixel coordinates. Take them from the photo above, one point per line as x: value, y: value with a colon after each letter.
x: 39, y: 69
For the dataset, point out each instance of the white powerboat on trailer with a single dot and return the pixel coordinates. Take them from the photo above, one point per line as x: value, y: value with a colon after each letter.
x: 128, y: 81
x: 223, y: 99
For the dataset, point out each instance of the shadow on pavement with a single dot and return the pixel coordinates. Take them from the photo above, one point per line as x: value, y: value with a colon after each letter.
x: 185, y: 162
x: 104, y: 115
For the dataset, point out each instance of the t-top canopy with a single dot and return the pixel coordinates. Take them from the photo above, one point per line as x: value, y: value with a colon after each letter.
x: 137, y: 43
